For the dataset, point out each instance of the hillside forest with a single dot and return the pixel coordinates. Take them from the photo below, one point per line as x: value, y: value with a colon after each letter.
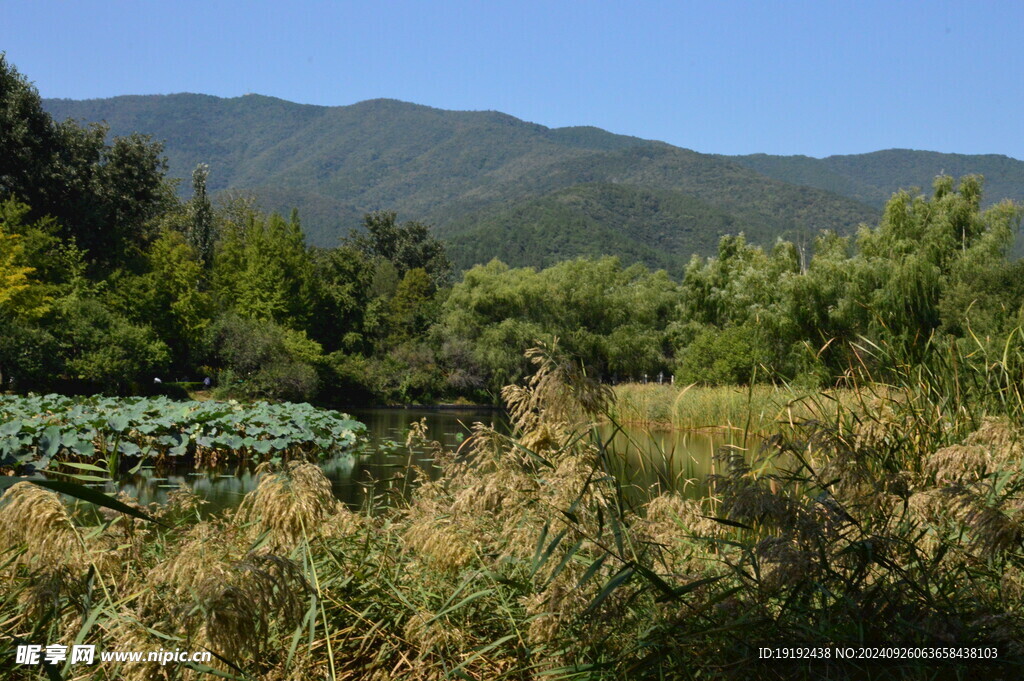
x: 111, y: 277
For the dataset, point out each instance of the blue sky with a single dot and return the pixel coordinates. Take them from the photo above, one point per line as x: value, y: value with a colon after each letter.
x: 813, y: 78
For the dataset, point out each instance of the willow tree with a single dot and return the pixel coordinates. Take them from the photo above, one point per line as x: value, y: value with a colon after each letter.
x: 922, y: 249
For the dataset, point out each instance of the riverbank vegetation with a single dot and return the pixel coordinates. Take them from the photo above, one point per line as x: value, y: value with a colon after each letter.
x: 900, y: 524
x: 108, y: 281
x: 754, y: 408
x: 72, y: 436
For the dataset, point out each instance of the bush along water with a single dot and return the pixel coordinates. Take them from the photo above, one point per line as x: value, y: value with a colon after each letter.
x: 895, y: 523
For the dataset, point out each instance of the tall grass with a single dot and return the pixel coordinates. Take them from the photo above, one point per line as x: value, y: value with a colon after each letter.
x: 897, y: 519
x: 759, y: 408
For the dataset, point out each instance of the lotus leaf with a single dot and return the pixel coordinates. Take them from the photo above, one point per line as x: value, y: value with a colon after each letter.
x: 34, y: 429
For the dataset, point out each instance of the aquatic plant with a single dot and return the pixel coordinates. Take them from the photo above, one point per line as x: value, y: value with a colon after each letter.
x: 42, y: 431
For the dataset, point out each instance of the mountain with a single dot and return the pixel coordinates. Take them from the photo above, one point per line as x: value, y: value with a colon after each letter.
x: 872, y: 178
x: 658, y: 227
x: 496, y: 186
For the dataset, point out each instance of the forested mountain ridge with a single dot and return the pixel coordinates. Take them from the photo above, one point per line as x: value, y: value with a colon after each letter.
x: 471, y: 174
x: 872, y: 178
x: 496, y: 186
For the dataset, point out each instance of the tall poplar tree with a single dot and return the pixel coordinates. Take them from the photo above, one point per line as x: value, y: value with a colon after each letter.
x: 200, y: 217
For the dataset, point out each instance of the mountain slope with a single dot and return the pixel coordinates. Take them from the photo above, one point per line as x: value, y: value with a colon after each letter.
x: 493, y: 185
x: 657, y: 227
x: 872, y: 178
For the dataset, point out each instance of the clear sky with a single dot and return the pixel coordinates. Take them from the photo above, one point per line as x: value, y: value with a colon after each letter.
x: 813, y: 78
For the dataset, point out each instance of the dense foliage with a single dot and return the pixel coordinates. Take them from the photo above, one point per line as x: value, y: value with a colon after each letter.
x: 872, y: 178
x: 933, y: 266
x: 135, y: 284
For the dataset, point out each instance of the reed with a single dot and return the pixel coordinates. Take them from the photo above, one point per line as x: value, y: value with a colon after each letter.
x: 757, y: 409
x: 892, y: 517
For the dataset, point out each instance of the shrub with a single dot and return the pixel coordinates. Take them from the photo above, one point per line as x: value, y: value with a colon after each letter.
x: 105, y: 350
x: 262, y: 359
x: 730, y: 356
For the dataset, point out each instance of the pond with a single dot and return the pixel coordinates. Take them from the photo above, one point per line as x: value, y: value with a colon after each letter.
x: 384, y: 467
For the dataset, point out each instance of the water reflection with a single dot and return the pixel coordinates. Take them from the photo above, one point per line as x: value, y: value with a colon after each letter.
x: 384, y: 468
x: 648, y: 462
x: 389, y: 468
x: 222, y: 487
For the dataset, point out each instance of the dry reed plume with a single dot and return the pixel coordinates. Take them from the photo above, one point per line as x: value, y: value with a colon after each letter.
x: 36, y: 519
x: 524, y: 560
x: 290, y: 505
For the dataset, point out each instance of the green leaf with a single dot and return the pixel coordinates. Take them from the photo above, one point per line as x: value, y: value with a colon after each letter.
x: 547, y: 553
x: 117, y: 422
x: 687, y: 588
x: 83, y: 448
x: 565, y: 560
x: 726, y: 521
x: 83, y: 466
x: 464, y: 601
x: 540, y: 544
x: 49, y: 443
x: 592, y: 570
x: 88, y: 478
x: 616, y: 533
x: 10, y: 428
x: 483, y: 651
x: 206, y: 669
x: 129, y: 448
x: 614, y: 583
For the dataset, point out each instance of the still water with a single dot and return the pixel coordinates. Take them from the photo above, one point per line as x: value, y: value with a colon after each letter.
x: 384, y: 468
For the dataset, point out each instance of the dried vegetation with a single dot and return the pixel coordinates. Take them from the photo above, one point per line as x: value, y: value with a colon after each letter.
x: 526, y: 560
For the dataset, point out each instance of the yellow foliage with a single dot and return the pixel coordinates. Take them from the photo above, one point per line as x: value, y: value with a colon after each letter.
x: 18, y: 292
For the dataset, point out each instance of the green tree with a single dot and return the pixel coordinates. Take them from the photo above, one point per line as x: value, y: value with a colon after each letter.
x: 29, y: 356
x: 730, y: 356
x: 408, y: 246
x: 923, y: 248
x: 341, y: 279
x: 26, y: 351
x: 410, y: 307
x: 103, y: 349
x: 740, y: 284
x: 262, y: 359
x: 615, y: 320
x: 170, y: 297
x: 102, y: 195
x: 200, y: 217
x: 262, y: 267
x: 29, y: 141
x: 826, y: 317
x: 19, y: 292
